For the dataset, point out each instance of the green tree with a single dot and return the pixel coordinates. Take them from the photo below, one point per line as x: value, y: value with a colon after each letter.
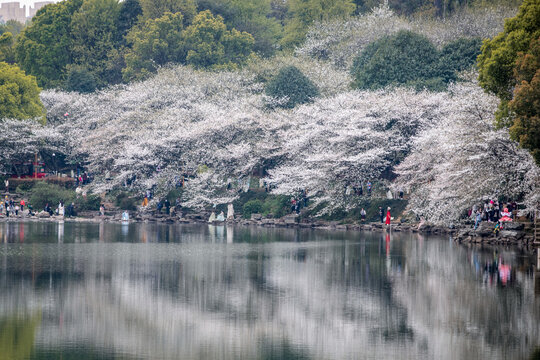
x: 7, y: 52
x: 153, y: 9
x: 8, y: 34
x: 508, y: 68
x: 12, y: 26
x: 210, y: 44
x: 80, y: 79
x: 405, y: 58
x: 19, y: 94
x: 94, y: 28
x: 44, y: 47
x: 128, y: 16
x: 156, y: 43
x: 304, y: 12
x: 498, y: 58
x: 525, y: 105
x: 253, y: 17
x: 290, y: 83
x: 460, y: 55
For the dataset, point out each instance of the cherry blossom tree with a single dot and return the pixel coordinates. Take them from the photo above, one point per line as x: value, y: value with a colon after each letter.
x: 217, y: 128
x: 463, y: 160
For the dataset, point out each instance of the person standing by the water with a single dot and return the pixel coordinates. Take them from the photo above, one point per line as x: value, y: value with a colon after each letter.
x: 363, y: 214
x: 167, y: 206
x: 102, y: 210
x: 478, y: 219
x: 381, y: 214
x: 388, y: 217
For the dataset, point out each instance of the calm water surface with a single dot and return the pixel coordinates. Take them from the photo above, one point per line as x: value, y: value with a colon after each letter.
x: 149, y: 291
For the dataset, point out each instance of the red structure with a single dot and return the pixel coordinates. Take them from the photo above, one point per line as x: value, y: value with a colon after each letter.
x: 27, y: 170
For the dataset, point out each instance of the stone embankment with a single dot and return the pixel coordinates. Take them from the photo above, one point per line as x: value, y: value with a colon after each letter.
x: 514, y: 233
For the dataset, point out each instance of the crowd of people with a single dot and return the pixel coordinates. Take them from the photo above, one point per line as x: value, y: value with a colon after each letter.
x: 11, y: 207
x: 493, y: 211
x: 358, y: 189
x: 299, y: 201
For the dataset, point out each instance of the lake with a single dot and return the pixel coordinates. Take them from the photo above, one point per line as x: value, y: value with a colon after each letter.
x: 154, y: 291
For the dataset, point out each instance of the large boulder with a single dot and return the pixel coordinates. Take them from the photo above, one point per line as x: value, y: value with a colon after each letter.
x: 511, y: 234
x: 485, y: 229
x: 43, y: 215
x: 511, y: 225
x: 425, y: 227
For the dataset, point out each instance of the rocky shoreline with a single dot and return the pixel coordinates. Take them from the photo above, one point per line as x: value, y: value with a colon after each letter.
x: 514, y: 233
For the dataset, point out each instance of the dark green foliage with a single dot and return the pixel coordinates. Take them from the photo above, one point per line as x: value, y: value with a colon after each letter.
x: 80, y: 79
x: 252, y: 207
x: 261, y: 202
x: 43, y: 193
x: 44, y: 48
x: 128, y: 16
x: 252, y: 17
x: 291, y: 83
x: 173, y: 195
x: 412, y: 60
x: 90, y: 202
x: 401, y: 59
x: 125, y: 202
x: 461, y: 54
x: 93, y: 31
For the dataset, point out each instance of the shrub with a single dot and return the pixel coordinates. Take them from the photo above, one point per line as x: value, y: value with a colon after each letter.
x: 173, y: 195
x: 43, y: 193
x: 460, y: 55
x: 24, y: 187
x: 277, y: 206
x: 405, y: 58
x: 125, y: 202
x: 81, y: 80
x: 292, y: 84
x: 252, y: 207
x: 90, y: 202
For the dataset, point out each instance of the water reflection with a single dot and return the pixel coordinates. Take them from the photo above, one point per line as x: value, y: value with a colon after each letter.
x: 220, y: 292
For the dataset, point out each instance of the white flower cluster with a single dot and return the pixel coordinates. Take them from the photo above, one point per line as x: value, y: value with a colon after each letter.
x: 463, y: 160
x: 216, y: 128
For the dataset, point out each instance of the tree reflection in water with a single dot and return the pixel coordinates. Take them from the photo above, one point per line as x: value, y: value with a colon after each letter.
x: 221, y: 292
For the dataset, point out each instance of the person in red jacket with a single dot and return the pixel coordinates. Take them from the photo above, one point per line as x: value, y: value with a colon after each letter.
x: 22, y: 205
x: 387, y: 222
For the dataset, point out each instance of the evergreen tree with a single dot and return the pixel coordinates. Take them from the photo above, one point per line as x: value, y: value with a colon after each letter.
x: 80, y: 79
x: 128, y: 16
x: 405, y: 58
x: 290, y: 83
